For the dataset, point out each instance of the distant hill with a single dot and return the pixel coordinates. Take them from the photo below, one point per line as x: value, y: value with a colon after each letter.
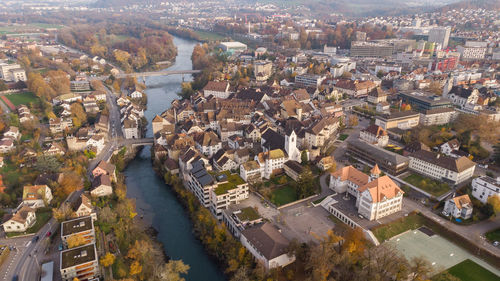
x: 472, y: 4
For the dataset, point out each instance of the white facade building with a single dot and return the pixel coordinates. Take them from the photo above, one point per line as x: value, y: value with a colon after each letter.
x: 484, y: 187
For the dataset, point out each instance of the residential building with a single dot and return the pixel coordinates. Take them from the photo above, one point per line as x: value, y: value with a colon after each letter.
x: 54, y: 149
x: 130, y: 129
x: 207, y: 143
x: 105, y: 168
x: 374, y: 134
x: 326, y: 163
x: 231, y: 189
x: 355, y: 88
x: 484, y: 187
x: 200, y: 182
x: 6, y: 145
x: 237, y: 220
x: 250, y: 171
x: 37, y: 196
x: 233, y: 47
x: 320, y: 132
x: 80, y: 262
x: 262, y: 70
x: 271, y: 162
x: 22, y: 219
x: 449, y: 147
x: 403, y: 120
x: 101, y: 186
x: 422, y: 101
x: 309, y: 80
x: 12, y: 72
x: 462, y: 96
x: 376, y: 197
x: 473, y: 50
x: 266, y: 243
x: 438, y: 116
x: 442, y: 167
x: 12, y: 133
x: 440, y: 35
x: 371, y: 49
x: 218, y: 89
x: 83, y: 207
x: 79, y: 86
x: 81, y: 226
x: 377, y: 95
x: 458, y: 207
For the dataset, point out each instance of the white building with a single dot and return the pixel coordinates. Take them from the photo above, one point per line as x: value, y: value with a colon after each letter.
x: 440, y: 35
x: 376, y: 197
x: 229, y: 191
x: 484, y: 187
x: 309, y: 80
x: 270, y: 162
x: 12, y: 72
x: 449, y: 147
x: 375, y: 135
x: 442, y: 167
x: 267, y: 245
x: 81, y: 263
x: 473, y: 50
x: 21, y: 220
x: 458, y: 207
x: 438, y: 116
x: 37, y: 196
x: 218, y: 89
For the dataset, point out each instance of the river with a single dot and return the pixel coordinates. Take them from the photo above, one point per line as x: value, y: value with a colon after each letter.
x: 154, y: 199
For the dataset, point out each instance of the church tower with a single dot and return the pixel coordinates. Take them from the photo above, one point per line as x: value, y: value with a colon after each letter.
x: 291, y: 146
x: 374, y: 172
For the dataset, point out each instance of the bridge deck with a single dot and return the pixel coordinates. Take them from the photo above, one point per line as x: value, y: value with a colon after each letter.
x: 157, y: 73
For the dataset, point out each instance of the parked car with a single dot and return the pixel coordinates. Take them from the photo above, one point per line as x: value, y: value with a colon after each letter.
x: 35, y: 239
x: 49, y: 233
x: 60, y: 247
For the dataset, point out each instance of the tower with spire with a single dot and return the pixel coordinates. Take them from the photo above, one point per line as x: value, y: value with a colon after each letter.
x: 374, y: 172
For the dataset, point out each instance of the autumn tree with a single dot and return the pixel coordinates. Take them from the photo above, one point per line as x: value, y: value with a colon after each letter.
x: 39, y: 87
x: 58, y: 81
x: 494, y: 201
x: 78, y: 114
x: 70, y: 182
x: 107, y: 260
x: 63, y: 212
x: 135, y: 268
x: 323, y: 257
x: 353, y: 120
x: 76, y: 240
x: 172, y: 271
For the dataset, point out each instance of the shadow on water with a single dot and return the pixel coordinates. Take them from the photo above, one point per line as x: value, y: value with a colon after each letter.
x: 154, y: 199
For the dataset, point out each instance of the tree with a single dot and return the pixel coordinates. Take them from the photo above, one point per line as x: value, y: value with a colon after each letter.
x: 108, y: 259
x: 323, y: 257
x: 420, y: 269
x: 70, y: 182
x: 76, y: 240
x: 494, y: 201
x: 3, y: 86
x: 58, y: 81
x: 78, y: 113
x: 63, y: 212
x: 353, y: 120
x: 445, y: 276
x: 354, y: 241
x: 47, y: 164
x: 172, y: 271
x: 135, y: 268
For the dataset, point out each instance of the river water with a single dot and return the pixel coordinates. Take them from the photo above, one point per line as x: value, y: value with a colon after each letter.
x: 154, y: 199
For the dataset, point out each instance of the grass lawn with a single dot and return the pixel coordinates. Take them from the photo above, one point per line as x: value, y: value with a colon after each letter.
x: 283, y: 195
x: 471, y: 271
x: 432, y: 186
x: 42, y: 217
x: 23, y: 98
x: 386, y: 231
x: 493, y: 235
x: 343, y: 137
x: 209, y: 36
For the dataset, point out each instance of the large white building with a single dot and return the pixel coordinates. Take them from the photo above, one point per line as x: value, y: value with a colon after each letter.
x: 440, y: 35
x: 442, y: 167
x: 12, y: 72
x: 473, y: 50
x: 267, y: 245
x: 484, y: 187
x: 81, y: 263
x: 375, y: 135
x: 309, y: 80
x: 376, y: 197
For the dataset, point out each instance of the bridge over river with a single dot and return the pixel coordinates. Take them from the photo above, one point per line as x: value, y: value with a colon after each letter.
x: 157, y: 73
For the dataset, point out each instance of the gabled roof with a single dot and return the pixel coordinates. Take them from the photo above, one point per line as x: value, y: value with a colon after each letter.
x: 22, y: 214
x: 101, y: 180
x: 267, y: 240
x: 381, y: 188
x: 34, y: 192
x: 273, y: 140
x: 216, y: 86
x: 352, y: 174
x: 375, y: 130
x: 457, y: 165
x: 106, y: 166
x: 462, y: 201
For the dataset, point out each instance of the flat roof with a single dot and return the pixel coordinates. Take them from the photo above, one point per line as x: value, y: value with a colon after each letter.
x: 247, y: 214
x: 76, y: 225
x: 79, y: 255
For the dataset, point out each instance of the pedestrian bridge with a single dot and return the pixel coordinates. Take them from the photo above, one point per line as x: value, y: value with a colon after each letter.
x: 157, y: 73
x: 135, y: 142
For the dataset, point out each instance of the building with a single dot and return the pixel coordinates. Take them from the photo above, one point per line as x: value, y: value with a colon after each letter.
x: 37, y: 196
x: 458, y: 207
x: 82, y: 226
x: 374, y: 134
x: 238, y: 220
x: 484, y: 187
x: 104, y: 168
x: 293, y: 169
x: 83, y: 207
x: 376, y: 197
x: 200, y: 182
x: 422, y: 101
x: 377, y: 95
x: 101, y: 186
x: 403, y: 120
x: 23, y: 218
x: 79, y: 86
x: 442, y: 167
x: 440, y: 35
x: 271, y: 162
x: 130, y: 129
x: 81, y: 263
x: 207, y: 143
x: 326, y: 163
x: 309, y: 80
x: 233, y: 47
x: 462, y: 96
x: 473, y: 50
x: 355, y: 88
x: 391, y: 162
x: 231, y: 189
x: 449, y: 147
x: 438, y: 116
x: 250, y: 171
x: 262, y: 70
x: 371, y: 49
x: 6, y: 145
x: 218, y: 89
x: 12, y: 72
x: 267, y: 245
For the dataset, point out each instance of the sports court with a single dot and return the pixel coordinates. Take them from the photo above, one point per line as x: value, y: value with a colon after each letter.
x: 441, y: 253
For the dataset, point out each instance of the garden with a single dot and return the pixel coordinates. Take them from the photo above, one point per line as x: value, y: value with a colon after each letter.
x: 431, y: 186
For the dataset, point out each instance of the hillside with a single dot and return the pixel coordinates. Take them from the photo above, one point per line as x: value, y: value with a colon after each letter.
x: 472, y: 4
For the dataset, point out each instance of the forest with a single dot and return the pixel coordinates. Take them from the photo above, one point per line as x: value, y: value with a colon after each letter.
x: 133, y: 48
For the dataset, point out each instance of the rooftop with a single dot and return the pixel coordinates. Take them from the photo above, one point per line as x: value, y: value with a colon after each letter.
x: 247, y: 214
x: 77, y: 256
x: 76, y: 225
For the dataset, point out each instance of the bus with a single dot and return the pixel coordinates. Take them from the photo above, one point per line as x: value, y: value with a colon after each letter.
x: 47, y: 271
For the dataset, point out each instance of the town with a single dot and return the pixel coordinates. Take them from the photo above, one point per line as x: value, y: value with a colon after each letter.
x: 297, y: 144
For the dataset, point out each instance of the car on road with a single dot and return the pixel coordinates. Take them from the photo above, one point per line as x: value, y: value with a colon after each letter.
x: 35, y: 239
x: 60, y: 247
x: 15, y: 278
x: 49, y: 233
